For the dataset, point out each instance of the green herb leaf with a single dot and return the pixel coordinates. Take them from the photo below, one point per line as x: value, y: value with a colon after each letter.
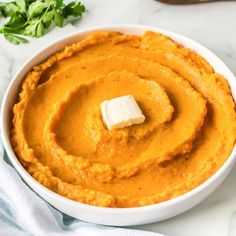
x: 48, y: 18
x: 59, y: 4
x: 14, y: 38
x: 21, y: 4
x: 34, y: 17
x: 16, y: 21
x: 2, y: 11
x: 30, y: 30
x: 73, y: 9
x: 40, y: 30
x: 36, y: 8
x: 8, y: 9
x: 58, y: 19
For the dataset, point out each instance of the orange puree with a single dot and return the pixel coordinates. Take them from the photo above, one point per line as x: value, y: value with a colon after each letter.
x: 60, y: 138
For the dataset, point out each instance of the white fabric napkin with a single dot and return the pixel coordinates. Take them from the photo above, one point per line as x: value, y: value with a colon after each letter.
x: 22, y: 211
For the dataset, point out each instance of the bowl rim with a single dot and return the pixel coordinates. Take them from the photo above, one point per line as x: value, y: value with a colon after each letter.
x: 66, y: 201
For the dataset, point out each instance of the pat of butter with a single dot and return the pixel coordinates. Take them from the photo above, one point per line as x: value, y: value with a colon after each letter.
x: 121, y: 112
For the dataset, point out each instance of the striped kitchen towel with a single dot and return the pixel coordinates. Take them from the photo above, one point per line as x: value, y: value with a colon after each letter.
x: 23, y: 212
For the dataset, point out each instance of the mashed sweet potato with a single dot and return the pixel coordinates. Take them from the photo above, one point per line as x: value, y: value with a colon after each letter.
x: 59, y: 137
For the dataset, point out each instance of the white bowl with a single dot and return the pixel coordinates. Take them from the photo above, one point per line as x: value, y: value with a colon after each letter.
x: 115, y: 216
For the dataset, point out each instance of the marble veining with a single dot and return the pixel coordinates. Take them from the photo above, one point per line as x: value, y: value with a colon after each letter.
x: 213, y: 25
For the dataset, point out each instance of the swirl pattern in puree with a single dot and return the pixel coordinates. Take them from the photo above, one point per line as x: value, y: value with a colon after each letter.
x: 59, y: 137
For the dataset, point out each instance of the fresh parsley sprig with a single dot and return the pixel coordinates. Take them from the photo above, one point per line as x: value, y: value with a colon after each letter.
x: 33, y: 18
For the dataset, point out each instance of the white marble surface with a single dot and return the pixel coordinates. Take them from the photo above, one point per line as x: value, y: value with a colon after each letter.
x: 213, y: 25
